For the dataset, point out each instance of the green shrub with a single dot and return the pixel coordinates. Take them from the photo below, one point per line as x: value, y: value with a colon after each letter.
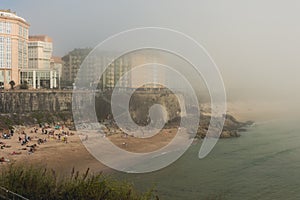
x: 41, y: 183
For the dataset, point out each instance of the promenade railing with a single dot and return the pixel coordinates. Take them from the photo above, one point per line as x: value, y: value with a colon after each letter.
x: 6, y: 194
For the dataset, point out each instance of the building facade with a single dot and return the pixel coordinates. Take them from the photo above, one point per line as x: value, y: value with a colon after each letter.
x: 13, y: 47
x: 153, y: 75
x: 40, y: 49
x: 113, y: 73
x: 72, y: 62
x: 56, y: 64
x: 39, y: 73
x: 117, y: 74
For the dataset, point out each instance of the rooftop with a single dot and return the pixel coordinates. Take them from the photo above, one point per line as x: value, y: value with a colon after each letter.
x: 56, y: 59
x: 43, y: 38
x: 9, y: 14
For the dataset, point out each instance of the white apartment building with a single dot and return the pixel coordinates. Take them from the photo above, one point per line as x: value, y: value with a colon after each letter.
x: 39, y: 52
x: 39, y: 73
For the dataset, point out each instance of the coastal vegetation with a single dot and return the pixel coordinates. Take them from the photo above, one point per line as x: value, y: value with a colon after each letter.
x: 34, y: 182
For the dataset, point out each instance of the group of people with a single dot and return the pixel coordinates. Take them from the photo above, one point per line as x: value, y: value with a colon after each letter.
x: 5, y: 135
x: 8, y: 135
x: 4, y: 145
x: 25, y: 139
x: 52, y: 133
x: 43, y: 130
x: 40, y: 135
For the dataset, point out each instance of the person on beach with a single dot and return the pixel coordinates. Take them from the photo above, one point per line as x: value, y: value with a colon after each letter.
x: 2, y: 159
x: 31, y: 150
x: 12, y: 132
x: 66, y: 139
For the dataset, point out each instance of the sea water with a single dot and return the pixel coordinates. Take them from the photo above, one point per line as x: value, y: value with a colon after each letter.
x: 264, y: 163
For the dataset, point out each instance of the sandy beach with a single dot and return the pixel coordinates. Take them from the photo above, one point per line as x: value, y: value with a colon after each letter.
x: 143, y: 145
x: 54, y: 154
x: 62, y: 157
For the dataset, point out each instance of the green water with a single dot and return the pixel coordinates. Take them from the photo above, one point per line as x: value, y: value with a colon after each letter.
x: 264, y: 163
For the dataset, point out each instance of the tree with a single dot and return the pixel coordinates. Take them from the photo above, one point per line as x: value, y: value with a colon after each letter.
x: 12, y: 84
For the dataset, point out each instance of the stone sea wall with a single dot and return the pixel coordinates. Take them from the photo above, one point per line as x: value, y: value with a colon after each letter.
x: 29, y: 101
x: 28, y: 107
x: 26, y: 101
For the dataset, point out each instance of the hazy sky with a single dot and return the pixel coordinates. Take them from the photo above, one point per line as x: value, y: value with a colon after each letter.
x: 255, y: 43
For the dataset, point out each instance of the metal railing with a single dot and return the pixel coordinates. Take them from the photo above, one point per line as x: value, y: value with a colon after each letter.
x: 9, y: 195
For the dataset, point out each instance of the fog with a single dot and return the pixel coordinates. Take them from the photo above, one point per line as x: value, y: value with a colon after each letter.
x: 254, y: 43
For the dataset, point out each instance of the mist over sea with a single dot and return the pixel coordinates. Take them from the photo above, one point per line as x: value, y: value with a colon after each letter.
x: 263, y: 163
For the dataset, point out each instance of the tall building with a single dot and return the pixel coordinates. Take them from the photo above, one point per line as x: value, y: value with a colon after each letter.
x: 152, y: 75
x: 39, y: 73
x: 115, y: 71
x: 39, y: 52
x: 72, y: 62
x: 13, y: 47
x: 115, y: 74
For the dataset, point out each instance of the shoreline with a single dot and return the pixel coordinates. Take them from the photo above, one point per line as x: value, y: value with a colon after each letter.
x: 63, y: 157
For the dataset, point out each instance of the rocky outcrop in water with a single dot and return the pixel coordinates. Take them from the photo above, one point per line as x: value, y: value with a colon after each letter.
x: 232, y: 127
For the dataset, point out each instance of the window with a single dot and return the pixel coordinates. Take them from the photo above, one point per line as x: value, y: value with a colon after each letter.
x: 20, y: 30
x: 2, y: 52
x: 25, y: 32
x: 1, y: 27
x: 20, y: 49
x: 24, y: 54
x: 8, y: 52
x: 8, y: 27
x: 2, y: 76
x: 27, y: 76
x: 7, y: 77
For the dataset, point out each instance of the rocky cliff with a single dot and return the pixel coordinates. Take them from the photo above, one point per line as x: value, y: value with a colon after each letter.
x: 28, y: 107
